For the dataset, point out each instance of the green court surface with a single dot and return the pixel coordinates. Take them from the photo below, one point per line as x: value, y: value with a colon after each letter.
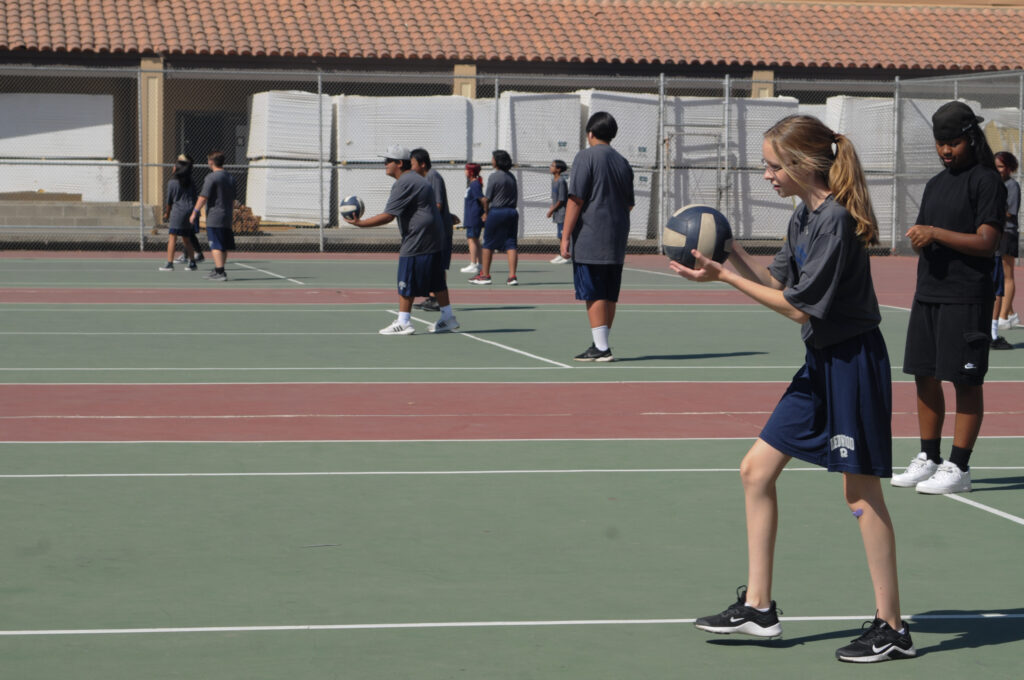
x: 485, y: 560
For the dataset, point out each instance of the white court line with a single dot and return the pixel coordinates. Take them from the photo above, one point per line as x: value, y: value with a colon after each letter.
x: 496, y: 344
x: 199, y: 333
x: 429, y: 473
x: 986, y: 508
x: 475, y: 624
x: 284, y: 416
x: 268, y: 273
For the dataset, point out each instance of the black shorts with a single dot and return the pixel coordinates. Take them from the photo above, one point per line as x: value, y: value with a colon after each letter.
x: 1009, y: 245
x: 949, y: 341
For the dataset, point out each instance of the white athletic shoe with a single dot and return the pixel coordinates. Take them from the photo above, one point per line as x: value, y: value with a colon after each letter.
x: 397, y: 328
x: 1004, y: 325
x: 558, y: 259
x: 948, y: 478
x: 471, y: 268
x: 920, y: 469
x: 445, y: 326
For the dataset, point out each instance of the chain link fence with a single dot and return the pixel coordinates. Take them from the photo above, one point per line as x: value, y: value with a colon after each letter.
x: 85, y: 153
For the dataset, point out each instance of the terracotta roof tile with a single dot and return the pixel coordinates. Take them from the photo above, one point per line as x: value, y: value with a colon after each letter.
x: 629, y: 31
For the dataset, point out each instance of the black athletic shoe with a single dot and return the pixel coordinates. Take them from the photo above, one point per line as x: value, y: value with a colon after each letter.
x: 428, y: 305
x: 739, y: 618
x: 594, y: 354
x: 879, y: 643
x: 1001, y: 343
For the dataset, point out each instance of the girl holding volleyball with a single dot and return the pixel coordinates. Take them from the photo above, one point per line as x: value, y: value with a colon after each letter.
x: 836, y: 412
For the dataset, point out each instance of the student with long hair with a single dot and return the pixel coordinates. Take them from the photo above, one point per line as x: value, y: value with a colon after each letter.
x: 837, y: 411
x: 472, y: 213
x: 1009, y: 247
x: 948, y: 337
x: 181, y: 198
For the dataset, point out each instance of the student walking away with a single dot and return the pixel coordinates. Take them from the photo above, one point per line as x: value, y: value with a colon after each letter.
x: 472, y: 216
x: 836, y: 412
x: 501, y: 220
x: 218, y: 197
x: 420, y: 264
x: 959, y: 225
x: 420, y: 161
x: 1006, y: 166
x: 559, y: 197
x: 596, y: 229
x: 181, y: 199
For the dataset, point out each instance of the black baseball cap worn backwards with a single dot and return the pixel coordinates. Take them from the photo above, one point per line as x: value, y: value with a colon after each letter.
x: 953, y: 120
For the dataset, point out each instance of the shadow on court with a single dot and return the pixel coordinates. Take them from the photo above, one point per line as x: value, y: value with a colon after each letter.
x: 500, y: 308
x: 997, y: 484
x: 686, y: 357
x: 787, y: 642
x: 961, y: 631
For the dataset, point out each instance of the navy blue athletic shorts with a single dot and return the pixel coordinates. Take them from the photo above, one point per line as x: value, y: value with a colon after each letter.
x: 949, y: 341
x: 837, y: 412
x: 473, y: 230
x: 501, y: 229
x: 420, y: 275
x: 220, y: 238
x: 597, y: 281
x: 998, y: 277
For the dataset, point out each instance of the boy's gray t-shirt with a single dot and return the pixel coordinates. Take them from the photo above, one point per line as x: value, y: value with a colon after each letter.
x: 219, y: 191
x: 502, y: 190
x: 559, y: 192
x: 441, y: 197
x: 413, y: 204
x: 603, y: 180
x: 826, y: 273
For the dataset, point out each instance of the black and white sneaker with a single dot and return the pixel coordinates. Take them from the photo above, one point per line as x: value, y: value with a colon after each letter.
x: 739, y: 618
x: 592, y: 353
x: 429, y: 305
x: 879, y: 643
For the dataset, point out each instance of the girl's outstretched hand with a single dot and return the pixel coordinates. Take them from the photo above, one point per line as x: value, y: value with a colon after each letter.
x: 707, y: 269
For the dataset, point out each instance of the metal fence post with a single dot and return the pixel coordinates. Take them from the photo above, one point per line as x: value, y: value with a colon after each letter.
x: 320, y: 149
x: 662, y: 174
x: 896, y: 158
x: 138, y: 130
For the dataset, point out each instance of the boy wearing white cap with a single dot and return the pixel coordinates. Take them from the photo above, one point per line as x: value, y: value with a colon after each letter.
x: 420, y: 263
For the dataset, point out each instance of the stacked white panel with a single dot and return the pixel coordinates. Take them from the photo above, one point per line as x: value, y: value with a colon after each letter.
x: 696, y: 127
x: 369, y: 184
x: 48, y: 125
x: 484, y: 138
x: 283, y: 124
x: 643, y: 196
x: 538, y: 128
x: 753, y: 118
x: 367, y: 126
x: 289, y: 194
x: 637, y: 117
x: 869, y: 121
x: 96, y: 181
x: 819, y: 111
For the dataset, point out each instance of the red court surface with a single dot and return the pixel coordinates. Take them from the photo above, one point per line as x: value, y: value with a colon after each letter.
x: 422, y: 412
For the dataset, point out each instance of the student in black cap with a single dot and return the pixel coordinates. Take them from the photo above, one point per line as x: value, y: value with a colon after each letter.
x: 958, y: 228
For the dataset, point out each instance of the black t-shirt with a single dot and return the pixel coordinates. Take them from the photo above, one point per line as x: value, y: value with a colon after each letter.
x: 959, y: 201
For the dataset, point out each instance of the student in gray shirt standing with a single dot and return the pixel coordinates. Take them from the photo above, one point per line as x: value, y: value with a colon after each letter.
x: 218, y: 197
x: 420, y: 160
x: 420, y: 265
x: 596, y: 228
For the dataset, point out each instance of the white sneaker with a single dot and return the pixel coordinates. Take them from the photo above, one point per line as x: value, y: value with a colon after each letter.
x: 920, y: 469
x: 1013, y: 320
x: 1004, y: 325
x: 445, y: 326
x: 948, y: 478
x: 471, y: 268
x: 397, y: 328
x: 558, y: 259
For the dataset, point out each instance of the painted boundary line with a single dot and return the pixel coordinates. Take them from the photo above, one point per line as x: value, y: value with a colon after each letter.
x: 475, y: 624
x: 268, y: 273
x: 495, y: 344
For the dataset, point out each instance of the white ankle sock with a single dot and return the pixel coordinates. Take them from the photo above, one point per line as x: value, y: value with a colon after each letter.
x: 404, y: 318
x: 600, y: 335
